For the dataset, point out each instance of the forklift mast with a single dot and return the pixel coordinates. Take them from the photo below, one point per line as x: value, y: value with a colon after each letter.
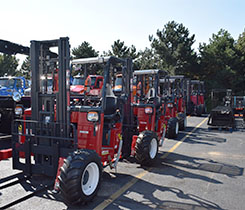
x: 43, y: 63
x: 47, y: 135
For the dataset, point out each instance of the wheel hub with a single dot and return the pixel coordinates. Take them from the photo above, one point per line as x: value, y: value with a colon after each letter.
x: 90, y: 178
x: 177, y: 128
x: 153, y: 148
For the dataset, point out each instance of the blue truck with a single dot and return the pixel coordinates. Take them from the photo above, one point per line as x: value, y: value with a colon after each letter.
x: 9, y: 85
x: 13, y: 100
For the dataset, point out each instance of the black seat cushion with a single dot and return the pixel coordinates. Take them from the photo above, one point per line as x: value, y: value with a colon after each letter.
x: 111, y: 105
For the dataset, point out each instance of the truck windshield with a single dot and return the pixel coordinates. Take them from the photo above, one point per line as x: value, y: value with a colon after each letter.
x: 93, y: 79
x: 78, y: 81
x: 118, y: 81
x: 7, y: 83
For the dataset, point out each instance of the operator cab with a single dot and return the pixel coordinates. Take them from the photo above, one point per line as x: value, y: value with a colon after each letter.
x: 99, y: 101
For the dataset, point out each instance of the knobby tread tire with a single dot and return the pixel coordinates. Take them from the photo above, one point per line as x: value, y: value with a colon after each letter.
x: 142, y: 147
x: 181, y: 118
x: 71, y: 175
x: 171, y: 128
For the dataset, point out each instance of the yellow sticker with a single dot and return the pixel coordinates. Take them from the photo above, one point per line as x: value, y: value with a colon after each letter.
x: 119, y: 136
x: 20, y: 128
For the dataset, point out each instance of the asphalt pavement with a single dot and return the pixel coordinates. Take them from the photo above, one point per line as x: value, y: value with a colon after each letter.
x: 201, y: 169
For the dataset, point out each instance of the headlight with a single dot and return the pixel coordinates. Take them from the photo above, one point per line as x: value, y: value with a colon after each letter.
x: 170, y: 105
x: 93, y: 116
x: 148, y: 110
x: 16, y: 96
x: 47, y: 119
x: 18, y: 110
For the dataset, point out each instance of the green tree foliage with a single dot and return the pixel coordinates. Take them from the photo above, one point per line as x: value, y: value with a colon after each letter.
x: 173, y: 45
x: 147, y: 60
x: 84, y: 50
x: 8, y: 65
x: 119, y: 49
x: 240, y: 78
x: 25, y: 69
x: 218, y: 61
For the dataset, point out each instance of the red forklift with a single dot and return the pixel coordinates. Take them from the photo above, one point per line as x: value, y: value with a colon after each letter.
x: 72, y: 141
x: 238, y: 106
x: 148, y: 119
x: 196, y: 104
x: 179, y: 89
x: 85, y: 73
x: 170, y: 107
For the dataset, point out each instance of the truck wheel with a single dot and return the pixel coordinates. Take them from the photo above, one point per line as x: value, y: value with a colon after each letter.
x: 146, y: 147
x: 80, y: 176
x: 182, y: 121
x: 172, y: 128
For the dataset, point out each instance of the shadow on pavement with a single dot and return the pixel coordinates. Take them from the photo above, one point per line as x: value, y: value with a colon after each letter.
x: 144, y: 197
x: 201, y: 136
x: 174, y: 164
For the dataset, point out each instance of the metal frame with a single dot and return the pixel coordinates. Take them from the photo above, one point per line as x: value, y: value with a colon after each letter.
x: 45, y: 140
x: 13, y: 48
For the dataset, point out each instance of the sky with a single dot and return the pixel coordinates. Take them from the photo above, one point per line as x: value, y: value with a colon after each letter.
x: 101, y: 22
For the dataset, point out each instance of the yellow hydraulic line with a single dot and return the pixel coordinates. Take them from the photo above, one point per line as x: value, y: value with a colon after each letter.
x: 118, y: 193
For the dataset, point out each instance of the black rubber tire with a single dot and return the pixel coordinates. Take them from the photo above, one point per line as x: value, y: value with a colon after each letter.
x: 72, y: 173
x: 203, y: 109
x: 143, y: 147
x: 182, y: 123
x: 199, y: 110
x: 171, y: 128
x: 190, y: 108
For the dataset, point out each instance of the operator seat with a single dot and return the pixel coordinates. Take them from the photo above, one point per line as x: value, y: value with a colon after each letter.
x: 150, y: 93
x: 151, y: 96
x: 111, y: 101
x: 110, y: 113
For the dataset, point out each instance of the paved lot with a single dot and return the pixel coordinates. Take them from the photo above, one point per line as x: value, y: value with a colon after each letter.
x: 202, y: 169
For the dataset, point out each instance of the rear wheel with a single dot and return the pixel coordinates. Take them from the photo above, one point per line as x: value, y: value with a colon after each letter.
x: 172, y: 128
x: 182, y: 121
x: 203, y: 109
x: 146, y: 147
x: 199, y: 110
x: 80, y: 176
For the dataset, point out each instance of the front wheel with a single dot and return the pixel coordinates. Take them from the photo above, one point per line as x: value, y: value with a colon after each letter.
x: 172, y: 128
x: 80, y: 176
x: 146, y: 147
